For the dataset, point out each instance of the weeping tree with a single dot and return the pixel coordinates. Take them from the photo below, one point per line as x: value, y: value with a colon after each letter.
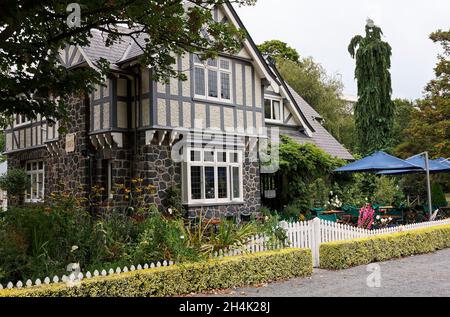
x: 374, y: 111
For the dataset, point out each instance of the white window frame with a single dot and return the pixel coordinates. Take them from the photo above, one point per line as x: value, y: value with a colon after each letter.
x: 219, y: 70
x: 272, y: 99
x: 34, y: 173
x: 229, y: 165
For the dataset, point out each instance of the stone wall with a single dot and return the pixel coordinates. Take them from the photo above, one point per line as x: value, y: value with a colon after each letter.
x: 67, y: 170
x: 152, y: 163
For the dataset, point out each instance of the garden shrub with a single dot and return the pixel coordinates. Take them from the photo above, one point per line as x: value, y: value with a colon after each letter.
x: 164, y: 239
x: 387, y: 192
x: 185, y: 279
x: 301, y: 165
x: 438, y: 195
x: 346, y: 254
x: 14, y: 182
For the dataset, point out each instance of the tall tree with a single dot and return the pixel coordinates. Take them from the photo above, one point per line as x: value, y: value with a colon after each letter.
x: 33, y: 32
x: 279, y: 50
x: 374, y: 111
x: 311, y: 81
x: 429, y: 129
x: 404, y: 113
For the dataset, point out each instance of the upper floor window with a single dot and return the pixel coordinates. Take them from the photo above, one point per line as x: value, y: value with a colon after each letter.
x: 212, y: 79
x: 273, y: 109
x: 35, y: 175
x: 21, y: 120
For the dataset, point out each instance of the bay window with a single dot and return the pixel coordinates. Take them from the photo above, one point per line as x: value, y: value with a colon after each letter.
x: 35, y: 175
x: 212, y: 79
x: 213, y: 176
x: 273, y: 109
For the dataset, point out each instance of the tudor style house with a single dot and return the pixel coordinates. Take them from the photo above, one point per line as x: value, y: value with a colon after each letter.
x: 129, y: 128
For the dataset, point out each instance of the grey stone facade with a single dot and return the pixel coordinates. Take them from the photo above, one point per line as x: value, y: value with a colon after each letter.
x: 69, y: 170
x: 79, y: 171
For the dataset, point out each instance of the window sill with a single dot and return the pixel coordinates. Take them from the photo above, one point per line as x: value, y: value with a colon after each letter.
x: 213, y: 204
x: 212, y: 101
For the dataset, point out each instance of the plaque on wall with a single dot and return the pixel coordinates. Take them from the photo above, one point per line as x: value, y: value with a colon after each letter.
x: 270, y: 194
x: 70, y: 143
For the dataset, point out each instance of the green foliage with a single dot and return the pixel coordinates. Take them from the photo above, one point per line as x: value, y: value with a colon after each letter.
x: 323, y: 92
x: 346, y: 254
x: 229, y: 234
x: 404, y: 112
x: 387, y: 192
x: 164, y: 239
x: 301, y: 165
x: 292, y: 211
x: 353, y: 191
x: 374, y: 111
x: 15, y: 182
x: 279, y: 50
x: 35, y: 241
x: 173, y: 202
x: 438, y: 195
x: 29, y: 69
x: 185, y: 279
x: 429, y: 128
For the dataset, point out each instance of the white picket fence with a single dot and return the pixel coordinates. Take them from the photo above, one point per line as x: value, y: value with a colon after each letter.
x: 306, y: 235
x: 312, y: 233
x: 74, y: 277
x: 255, y: 244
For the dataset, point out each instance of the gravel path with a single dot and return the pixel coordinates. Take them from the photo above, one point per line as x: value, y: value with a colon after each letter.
x: 424, y: 276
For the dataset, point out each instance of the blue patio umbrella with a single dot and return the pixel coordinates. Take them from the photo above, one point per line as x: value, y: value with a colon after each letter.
x: 444, y: 161
x: 381, y: 161
x: 435, y: 166
x: 377, y: 162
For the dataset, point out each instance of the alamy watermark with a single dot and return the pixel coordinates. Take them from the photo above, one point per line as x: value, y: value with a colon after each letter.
x: 74, y: 17
x: 374, y: 279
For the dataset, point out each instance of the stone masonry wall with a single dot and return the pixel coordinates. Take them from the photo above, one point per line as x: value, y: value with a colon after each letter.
x: 67, y: 171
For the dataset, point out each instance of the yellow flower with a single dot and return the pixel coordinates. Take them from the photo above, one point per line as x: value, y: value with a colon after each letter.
x: 127, y: 190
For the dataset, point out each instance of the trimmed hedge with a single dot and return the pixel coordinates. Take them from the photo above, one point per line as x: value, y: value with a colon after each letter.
x: 346, y: 254
x: 184, y: 279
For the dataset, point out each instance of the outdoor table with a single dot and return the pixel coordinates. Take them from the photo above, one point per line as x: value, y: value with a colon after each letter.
x: 393, y: 217
x: 333, y: 212
x: 385, y: 209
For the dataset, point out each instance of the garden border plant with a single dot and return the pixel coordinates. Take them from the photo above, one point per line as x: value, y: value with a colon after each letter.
x: 179, y: 279
x: 346, y: 254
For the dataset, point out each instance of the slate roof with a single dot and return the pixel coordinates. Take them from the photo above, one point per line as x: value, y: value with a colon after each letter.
x: 126, y: 49
x: 321, y: 137
x: 113, y: 54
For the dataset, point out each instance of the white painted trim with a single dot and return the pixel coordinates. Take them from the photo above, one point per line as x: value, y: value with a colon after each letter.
x: 219, y: 71
x: 216, y: 165
x: 36, y: 174
x: 281, y: 111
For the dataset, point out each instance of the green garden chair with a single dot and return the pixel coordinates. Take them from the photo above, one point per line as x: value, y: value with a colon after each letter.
x: 331, y: 218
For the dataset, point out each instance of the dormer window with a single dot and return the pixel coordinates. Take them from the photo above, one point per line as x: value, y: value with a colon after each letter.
x: 273, y: 109
x: 212, y: 79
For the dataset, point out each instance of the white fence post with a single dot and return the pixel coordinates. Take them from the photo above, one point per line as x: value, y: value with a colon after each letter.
x: 315, y: 246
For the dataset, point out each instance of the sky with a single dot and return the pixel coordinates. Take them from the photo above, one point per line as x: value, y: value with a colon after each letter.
x: 323, y: 29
